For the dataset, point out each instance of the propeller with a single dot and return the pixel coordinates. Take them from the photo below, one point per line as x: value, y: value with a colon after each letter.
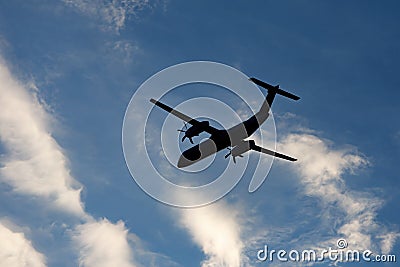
x: 184, y: 131
x: 184, y: 126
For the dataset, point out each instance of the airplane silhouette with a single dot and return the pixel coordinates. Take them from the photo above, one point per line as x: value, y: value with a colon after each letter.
x: 233, y: 138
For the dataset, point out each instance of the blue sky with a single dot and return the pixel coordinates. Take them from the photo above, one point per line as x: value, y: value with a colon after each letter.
x: 69, y: 69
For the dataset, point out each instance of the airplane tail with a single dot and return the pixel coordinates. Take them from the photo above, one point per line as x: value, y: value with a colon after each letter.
x: 274, y: 89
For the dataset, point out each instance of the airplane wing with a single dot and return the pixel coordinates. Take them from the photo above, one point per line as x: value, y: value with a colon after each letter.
x: 208, y: 129
x: 270, y: 152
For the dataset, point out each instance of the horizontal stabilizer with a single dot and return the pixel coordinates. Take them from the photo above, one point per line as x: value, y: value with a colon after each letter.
x: 274, y: 88
x: 254, y: 147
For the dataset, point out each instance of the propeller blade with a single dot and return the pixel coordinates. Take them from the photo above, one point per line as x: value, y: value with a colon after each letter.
x: 184, y: 127
x: 227, y: 155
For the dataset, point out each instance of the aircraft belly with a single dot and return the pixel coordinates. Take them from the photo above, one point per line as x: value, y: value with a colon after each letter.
x: 198, y: 152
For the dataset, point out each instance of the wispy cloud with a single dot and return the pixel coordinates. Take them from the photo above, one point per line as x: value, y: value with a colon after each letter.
x: 113, y: 14
x: 228, y: 234
x: 217, y: 230
x: 35, y: 165
x: 350, y: 213
x: 17, y: 251
x: 122, y: 51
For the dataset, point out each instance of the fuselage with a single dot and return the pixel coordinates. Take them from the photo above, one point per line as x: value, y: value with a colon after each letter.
x: 221, y: 139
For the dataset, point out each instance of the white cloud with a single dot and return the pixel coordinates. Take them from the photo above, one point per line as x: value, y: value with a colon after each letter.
x: 216, y: 228
x: 17, y: 251
x: 102, y: 244
x: 321, y: 169
x: 227, y: 234
x: 388, y: 240
x: 112, y: 13
x: 35, y: 164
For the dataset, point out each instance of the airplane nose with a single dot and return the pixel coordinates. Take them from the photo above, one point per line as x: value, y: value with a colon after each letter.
x: 183, y: 162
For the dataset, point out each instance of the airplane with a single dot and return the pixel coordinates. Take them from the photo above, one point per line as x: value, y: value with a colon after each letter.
x: 233, y: 138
